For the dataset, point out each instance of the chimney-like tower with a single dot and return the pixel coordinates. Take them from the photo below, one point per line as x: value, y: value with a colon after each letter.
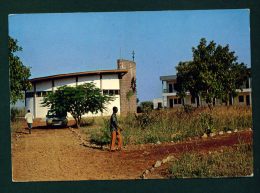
x: 125, y: 85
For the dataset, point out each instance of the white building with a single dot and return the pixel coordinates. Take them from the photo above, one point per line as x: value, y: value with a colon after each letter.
x: 172, y: 100
x: 109, y: 81
x: 159, y: 103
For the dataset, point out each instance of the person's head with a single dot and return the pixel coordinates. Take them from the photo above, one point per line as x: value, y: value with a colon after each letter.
x: 115, y: 109
x: 28, y: 111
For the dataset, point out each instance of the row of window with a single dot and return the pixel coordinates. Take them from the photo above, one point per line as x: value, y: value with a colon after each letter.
x: 177, y: 101
x: 38, y: 94
x: 44, y: 93
x: 111, y: 92
x: 172, y: 87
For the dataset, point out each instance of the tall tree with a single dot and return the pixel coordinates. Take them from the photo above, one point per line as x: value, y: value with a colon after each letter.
x: 213, y: 73
x: 78, y: 100
x: 19, y: 74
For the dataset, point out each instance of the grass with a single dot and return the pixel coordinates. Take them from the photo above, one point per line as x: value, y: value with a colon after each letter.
x: 173, y: 124
x: 15, y: 125
x: 179, y: 123
x: 227, y: 164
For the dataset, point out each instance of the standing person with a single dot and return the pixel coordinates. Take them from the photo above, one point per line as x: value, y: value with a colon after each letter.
x: 29, y: 118
x: 114, y: 128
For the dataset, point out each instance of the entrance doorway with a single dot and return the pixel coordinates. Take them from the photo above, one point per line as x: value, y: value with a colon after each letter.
x: 247, y: 100
x: 171, y: 103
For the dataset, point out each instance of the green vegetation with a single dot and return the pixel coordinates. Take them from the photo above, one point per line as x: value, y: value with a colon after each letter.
x: 17, y: 112
x: 15, y: 125
x: 19, y: 74
x: 176, y: 124
x: 231, y: 163
x: 213, y: 73
x: 78, y: 100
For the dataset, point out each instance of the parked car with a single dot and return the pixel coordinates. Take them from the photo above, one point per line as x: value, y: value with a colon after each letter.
x: 55, y: 118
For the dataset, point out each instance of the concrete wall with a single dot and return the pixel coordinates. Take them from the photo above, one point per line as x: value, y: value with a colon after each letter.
x: 125, y: 85
x: 109, y: 81
x: 44, y: 86
x: 64, y: 81
x: 87, y: 79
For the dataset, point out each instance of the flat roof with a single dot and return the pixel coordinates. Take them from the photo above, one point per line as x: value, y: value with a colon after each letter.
x: 121, y: 72
x: 169, y: 77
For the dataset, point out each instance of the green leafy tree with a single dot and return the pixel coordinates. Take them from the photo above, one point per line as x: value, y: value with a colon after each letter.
x: 146, y: 106
x: 213, y: 73
x: 78, y: 100
x: 19, y: 74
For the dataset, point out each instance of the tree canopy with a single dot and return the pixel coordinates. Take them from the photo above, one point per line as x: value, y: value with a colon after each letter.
x: 77, y: 100
x: 213, y: 73
x: 19, y: 74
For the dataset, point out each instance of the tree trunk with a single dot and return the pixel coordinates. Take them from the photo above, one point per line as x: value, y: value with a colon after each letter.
x: 210, y: 104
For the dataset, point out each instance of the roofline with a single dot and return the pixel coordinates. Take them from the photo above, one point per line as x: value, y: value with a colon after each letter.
x: 121, y: 72
x: 168, y: 78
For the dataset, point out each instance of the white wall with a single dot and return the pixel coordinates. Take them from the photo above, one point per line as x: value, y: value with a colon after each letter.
x: 65, y: 81
x: 110, y: 81
x: 44, y: 86
x: 40, y: 111
x: 30, y: 105
x: 109, y: 110
x: 88, y: 79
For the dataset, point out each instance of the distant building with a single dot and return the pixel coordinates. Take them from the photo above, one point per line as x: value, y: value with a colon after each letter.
x: 113, y: 82
x: 159, y: 103
x: 172, y: 100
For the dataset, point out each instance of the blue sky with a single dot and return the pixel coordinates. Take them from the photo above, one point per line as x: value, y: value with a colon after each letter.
x: 77, y: 42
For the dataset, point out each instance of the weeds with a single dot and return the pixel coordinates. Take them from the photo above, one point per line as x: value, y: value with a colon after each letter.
x: 161, y: 125
x: 15, y: 125
x: 228, y: 164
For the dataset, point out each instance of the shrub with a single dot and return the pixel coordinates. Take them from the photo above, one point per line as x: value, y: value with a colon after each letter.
x: 228, y: 164
x: 15, y: 126
x: 87, y: 122
x: 104, y: 136
x: 151, y: 138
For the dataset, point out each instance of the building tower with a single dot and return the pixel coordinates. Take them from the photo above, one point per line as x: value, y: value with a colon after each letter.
x: 127, y: 83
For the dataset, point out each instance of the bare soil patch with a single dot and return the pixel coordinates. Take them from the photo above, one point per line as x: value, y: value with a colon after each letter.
x: 59, y: 155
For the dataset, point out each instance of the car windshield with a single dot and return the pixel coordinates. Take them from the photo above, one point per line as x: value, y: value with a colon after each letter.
x: 55, y: 113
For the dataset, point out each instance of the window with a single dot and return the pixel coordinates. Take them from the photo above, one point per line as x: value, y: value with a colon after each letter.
x: 170, y: 88
x: 241, y: 99
x: 29, y: 94
x: 177, y: 101
x: 111, y: 92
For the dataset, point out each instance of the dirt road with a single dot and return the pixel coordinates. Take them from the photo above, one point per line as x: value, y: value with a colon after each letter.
x: 59, y: 155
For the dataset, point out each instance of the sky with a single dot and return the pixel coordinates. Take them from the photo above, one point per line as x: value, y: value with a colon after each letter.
x: 60, y: 43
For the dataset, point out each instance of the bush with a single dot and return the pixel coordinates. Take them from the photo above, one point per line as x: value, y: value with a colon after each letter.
x: 104, y: 136
x: 87, y: 122
x: 17, y: 112
x: 162, y: 125
x: 14, y: 113
x: 151, y: 138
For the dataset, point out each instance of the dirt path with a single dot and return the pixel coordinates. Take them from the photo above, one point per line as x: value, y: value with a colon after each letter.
x: 58, y: 155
